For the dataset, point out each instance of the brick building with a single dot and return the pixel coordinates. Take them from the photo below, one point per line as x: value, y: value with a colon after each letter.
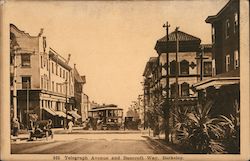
x: 223, y: 89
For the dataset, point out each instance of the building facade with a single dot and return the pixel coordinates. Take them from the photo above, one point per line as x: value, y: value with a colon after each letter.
x: 79, y: 95
x: 223, y: 89
x: 42, y: 82
x: 86, y: 106
x: 185, y: 69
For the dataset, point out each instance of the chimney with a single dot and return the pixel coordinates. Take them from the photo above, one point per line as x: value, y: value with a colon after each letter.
x: 68, y: 58
x: 41, y: 32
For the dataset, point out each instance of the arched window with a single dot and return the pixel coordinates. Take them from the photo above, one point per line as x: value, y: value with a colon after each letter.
x: 173, y: 67
x: 184, y: 67
x: 173, y: 90
x: 184, y: 89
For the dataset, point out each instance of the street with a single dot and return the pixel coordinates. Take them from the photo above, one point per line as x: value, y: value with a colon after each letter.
x: 96, y: 143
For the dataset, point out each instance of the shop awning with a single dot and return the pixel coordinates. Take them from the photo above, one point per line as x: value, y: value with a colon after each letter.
x: 52, y: 112
x: 62, y: 114
x: 228, y: 78
x: 33, y: 117
x: 74, y: 114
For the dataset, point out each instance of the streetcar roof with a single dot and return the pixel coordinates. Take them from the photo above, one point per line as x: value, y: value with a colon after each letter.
x: 105, y: 108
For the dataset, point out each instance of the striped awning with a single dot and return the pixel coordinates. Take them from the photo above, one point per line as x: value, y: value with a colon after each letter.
x: 62, y: 114
x: 52, y: 112
x: 74, y: 114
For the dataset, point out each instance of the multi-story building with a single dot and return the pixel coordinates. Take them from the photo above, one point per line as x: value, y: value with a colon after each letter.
x: 79, y: 95
x: 223, y: 88
x: 41, y: 80
x: 148, y: 85
x: 86, y: 106
x: 186, y: 71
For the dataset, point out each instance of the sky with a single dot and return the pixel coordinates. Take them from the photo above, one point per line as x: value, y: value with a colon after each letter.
x: 111, y: 41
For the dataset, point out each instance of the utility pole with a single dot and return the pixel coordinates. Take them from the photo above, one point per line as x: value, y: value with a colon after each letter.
x: 176, y: 72
x: 14, y: 85
x: 166, y: 109
x: 66, y: 102
x: 201, y: 58
x: 27, y: 110
x: 144, y: 108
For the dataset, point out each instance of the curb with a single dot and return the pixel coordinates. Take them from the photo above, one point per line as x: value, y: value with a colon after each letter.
x: 96, y: 132
x: 161, y: 145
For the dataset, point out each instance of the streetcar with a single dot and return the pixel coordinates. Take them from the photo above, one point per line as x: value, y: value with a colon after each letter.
x: 107, y: 117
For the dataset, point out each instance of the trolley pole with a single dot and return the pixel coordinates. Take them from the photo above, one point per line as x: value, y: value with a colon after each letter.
x: 166, y: 109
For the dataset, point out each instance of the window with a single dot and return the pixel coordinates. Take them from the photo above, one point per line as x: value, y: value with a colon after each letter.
x: 58, y: 106
x: 11, y: 80
x: 63, y: 73
x: 56, y: 87
x: 207, y: 68
x: 184, y: 67
x: 66, y: 75
x: 52, y: 67
x: 184, y: 89
x: 236, y: 59
x: 227, y: 27
x: 56, y: 69
x: 12, y: 58
x: 25, y: 60
x: 41, y: 83
x: 53, y: 86
x: 236, y: 22
x: 41, y: 61
x: 173, y: 67
x: 213, y: 34
x: 213, y: 68
x: 25, y: 82
x: 60, y: 72
x: 47, y: 65
x: 173, y: 90
x: 47, y: 84
x: 60, y: 88
x: 44, y: 62
x: 227, y: 62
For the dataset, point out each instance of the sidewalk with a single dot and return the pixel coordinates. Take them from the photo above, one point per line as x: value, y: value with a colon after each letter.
x: 159, y: 142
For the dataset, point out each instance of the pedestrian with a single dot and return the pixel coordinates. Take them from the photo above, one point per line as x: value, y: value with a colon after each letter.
x: 16, y: 127
x: 70, y: 126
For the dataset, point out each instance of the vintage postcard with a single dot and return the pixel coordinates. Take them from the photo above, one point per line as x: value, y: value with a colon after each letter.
x: 125, y: 80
